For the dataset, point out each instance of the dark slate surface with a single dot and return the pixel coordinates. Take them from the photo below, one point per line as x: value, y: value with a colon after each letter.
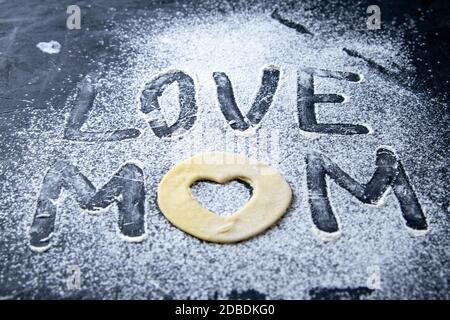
x: 26, y: 73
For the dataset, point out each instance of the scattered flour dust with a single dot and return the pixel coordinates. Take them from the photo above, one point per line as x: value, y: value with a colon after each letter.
x: 51, y: 47
x: 288, y: 260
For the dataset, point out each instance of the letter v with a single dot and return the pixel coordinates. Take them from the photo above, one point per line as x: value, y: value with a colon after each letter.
x: 263, y: 100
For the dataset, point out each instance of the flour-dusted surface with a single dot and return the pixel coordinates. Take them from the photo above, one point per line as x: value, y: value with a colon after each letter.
x: 290, y: 260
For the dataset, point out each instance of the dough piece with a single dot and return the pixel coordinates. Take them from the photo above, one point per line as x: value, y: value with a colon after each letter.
x: 270, y: 200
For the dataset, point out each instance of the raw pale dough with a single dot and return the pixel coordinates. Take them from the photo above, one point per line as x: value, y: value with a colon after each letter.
x: 270, y: 200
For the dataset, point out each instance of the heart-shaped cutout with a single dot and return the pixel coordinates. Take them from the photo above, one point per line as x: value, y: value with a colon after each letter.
x: 223, y: 199
x: 270, y: 200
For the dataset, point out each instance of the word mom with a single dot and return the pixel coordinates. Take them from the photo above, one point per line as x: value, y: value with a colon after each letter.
x: 126, y: 189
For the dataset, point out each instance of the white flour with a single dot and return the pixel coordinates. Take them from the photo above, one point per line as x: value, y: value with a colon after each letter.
x: 51, y: 47
x: 287, y: 260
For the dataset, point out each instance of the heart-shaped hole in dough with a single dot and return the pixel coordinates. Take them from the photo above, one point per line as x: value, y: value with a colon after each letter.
x: 270, y: 200
x: 222, y: 199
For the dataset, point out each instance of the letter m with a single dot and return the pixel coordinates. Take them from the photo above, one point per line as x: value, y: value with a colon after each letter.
x: 389, y: 172
x: 125, y: 188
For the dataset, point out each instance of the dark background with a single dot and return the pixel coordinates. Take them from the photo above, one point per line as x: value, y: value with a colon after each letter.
x: 30, y: 79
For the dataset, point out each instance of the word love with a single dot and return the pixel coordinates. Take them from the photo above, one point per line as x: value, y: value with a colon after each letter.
x: 126, y: 189
x: 150, y: 107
